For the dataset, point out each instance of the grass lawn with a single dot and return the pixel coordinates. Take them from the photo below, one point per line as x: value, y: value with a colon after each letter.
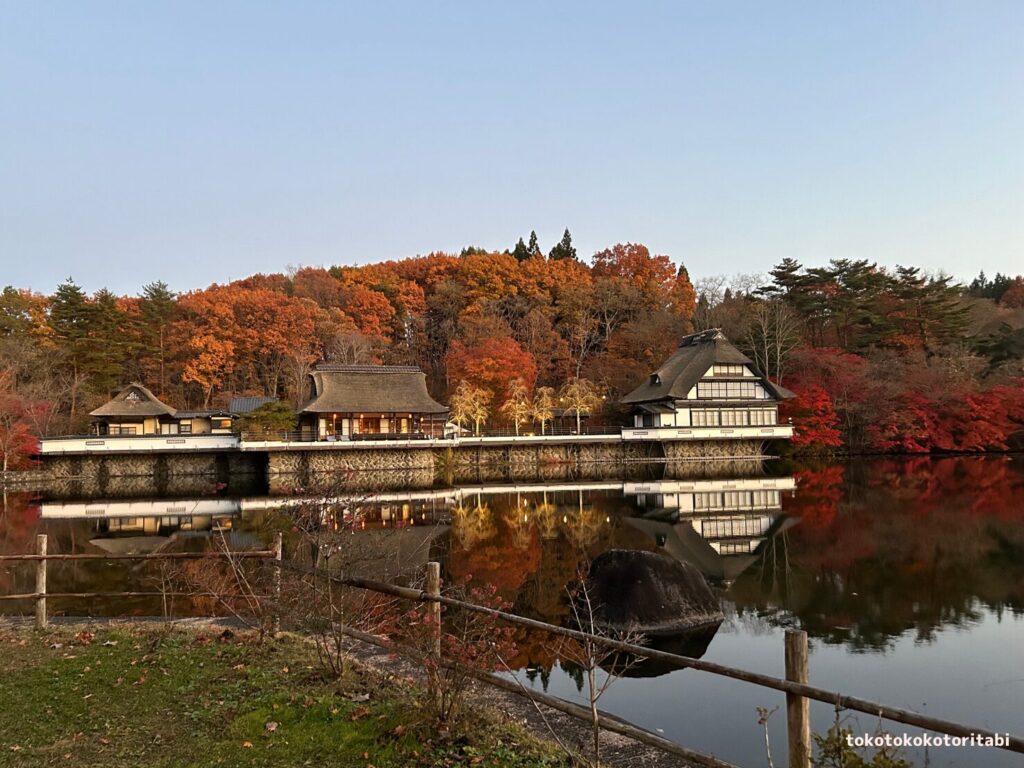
x: 158, y: 697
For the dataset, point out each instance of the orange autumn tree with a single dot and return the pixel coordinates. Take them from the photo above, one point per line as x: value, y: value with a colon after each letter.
x: 242, y: 338
x: 211, y: 360
x: 491, y: 364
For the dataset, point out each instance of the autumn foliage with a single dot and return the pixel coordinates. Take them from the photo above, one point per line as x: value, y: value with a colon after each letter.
x: 481, y: 317
x: 880, y: 359
x: 491, y: 364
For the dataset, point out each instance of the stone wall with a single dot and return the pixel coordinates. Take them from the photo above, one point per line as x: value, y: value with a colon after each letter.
x: 378, y: 469
x: 128, y: 474
x: 387, y: 468
x: 712, y: 449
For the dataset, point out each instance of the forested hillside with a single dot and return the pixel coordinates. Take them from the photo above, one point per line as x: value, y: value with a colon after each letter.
x: 883, y: 360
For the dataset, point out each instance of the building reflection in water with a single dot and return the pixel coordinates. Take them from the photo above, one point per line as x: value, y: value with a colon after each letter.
x: 717, y: 525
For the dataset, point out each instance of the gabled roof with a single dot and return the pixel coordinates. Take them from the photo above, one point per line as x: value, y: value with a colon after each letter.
x: 134, y: 400
x: 240, y: 405
x: 695, y: 355
x: 370, y: 388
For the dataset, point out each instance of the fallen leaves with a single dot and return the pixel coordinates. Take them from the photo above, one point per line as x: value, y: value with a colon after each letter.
x: 359, y: 713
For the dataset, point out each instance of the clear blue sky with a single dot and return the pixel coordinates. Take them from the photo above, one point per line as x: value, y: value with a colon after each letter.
x: 198, y: 142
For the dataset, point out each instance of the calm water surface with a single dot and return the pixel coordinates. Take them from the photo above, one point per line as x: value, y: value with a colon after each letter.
x: 907, y: 574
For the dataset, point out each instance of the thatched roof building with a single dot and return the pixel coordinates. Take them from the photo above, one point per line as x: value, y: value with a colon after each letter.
x: 370, y: 388
x: 134, y: 402
x: 353, y: 400
x: 135, y: 411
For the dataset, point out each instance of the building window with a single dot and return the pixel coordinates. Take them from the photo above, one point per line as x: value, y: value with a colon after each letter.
x: 721, y: 369
x: 220, y: 423
x: 704, y: 418
x: 732, y: 417
x: 185, y: 427
x: 729, y: 390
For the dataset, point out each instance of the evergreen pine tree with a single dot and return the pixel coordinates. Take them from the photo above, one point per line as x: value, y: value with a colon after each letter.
x: 564, y: 249
x: 157, y: 308
x: 521, y: 252
x: 532, y: 246
x: 109, y: 343
x: 70, y: 316
x: 70, y: 319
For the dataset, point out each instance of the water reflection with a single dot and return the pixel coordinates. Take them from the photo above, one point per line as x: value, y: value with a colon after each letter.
x: 893, y: 547
x: 856, y: 554
x: 875, y: 556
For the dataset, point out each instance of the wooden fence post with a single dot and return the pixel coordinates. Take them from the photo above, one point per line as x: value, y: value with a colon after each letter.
x: 433, y: 588
x: 41, y: 581
x: 278, y: 557
x: 798, y: 708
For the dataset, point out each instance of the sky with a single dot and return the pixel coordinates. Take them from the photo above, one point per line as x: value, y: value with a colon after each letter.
x: 198, y: 142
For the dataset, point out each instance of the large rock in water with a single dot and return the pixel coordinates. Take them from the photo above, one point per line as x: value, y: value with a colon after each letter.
x: 634, y: 590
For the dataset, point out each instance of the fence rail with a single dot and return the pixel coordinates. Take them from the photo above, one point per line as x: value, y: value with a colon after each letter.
x: 41, y: 557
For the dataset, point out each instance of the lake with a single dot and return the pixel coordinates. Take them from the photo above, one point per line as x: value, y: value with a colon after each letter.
x: 908, y: 575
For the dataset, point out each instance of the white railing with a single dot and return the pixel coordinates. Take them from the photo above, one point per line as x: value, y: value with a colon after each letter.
x: 774, y: 432
x: 136, y: 443
x: 80, y: 444
x: 710, y: 485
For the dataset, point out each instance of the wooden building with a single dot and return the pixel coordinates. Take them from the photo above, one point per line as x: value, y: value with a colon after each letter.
x: 135, y: 411
x: 350, y: 402
x: 707, y: 382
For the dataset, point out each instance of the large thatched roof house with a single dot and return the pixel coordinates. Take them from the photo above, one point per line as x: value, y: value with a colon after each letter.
x: 349, y: 401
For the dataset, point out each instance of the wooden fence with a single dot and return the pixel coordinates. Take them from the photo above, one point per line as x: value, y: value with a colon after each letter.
x: 795, y: 685
x: 41, y: 557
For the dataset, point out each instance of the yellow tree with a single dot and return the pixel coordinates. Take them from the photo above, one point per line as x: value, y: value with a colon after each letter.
x: 470, y: 405
x: 543, y: 406
x: 517, y: 406
x: 581, y: 397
